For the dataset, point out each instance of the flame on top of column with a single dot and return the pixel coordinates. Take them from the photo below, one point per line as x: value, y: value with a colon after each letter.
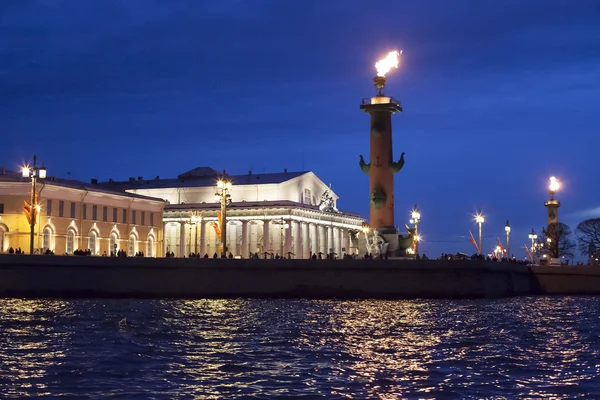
x: 391, y: 60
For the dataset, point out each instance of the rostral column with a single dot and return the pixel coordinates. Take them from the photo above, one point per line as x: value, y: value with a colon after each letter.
x: 382, y: 167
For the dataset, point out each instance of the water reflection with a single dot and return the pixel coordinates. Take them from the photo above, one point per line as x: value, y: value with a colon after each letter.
x: 513, y: 348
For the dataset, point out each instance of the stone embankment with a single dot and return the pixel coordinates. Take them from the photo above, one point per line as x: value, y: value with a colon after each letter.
x: 68, y: 277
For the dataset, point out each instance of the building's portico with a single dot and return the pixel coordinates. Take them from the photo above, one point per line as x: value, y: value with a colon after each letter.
x: 273, y: 227
x: 290, y: 213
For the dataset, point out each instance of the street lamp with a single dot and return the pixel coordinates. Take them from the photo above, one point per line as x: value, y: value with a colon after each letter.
x: 283, y: 226
x: 365, y: 230
x: 223, y: 196
x: 416, y: 218
x: 498, y: 251
x: 194, y: 220
x: 32, y: 209
x: 533, y: 238
x: 507, y: 230
x: 479, y: 219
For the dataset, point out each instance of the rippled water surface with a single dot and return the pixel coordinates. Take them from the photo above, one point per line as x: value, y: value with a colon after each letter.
x: 510, y: 348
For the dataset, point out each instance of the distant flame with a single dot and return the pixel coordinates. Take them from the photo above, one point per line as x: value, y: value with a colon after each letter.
x: 384, y: 66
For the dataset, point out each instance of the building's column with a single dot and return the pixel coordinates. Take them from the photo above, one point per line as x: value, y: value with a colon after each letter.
x: 181, y: 239
x: 340, y: 242
x: 202, y: 238
x: 347, y: 241
x: 164, y: 240
x: 330, y: 240
x: 266, y: 236
x: 317, y: 242
x: 305, y: 239
x: 287, y: 245
x: 245, y: 253
x: 299, y: 241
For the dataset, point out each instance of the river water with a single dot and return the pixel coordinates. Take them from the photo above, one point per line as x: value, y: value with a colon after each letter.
x: 525, y: 347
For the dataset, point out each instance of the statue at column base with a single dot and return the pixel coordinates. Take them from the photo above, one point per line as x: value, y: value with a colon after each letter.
x: 391, y: 243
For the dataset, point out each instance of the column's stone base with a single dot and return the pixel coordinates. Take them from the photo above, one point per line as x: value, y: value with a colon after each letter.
x: 397, y: 244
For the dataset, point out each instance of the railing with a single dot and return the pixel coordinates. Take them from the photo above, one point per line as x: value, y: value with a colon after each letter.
x: 381, y: 100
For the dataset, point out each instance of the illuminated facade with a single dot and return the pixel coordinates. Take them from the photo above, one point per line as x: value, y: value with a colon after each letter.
x: 75, y: 215
x: 275, y: 213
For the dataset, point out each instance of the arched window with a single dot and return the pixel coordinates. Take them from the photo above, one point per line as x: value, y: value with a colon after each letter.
x: 70, y: 241
x: 92, y: 242
x: 112, y: 246
x: 47, y: 238
x: 132, y: 246
x: 150, y: 247
x: 2, y: 235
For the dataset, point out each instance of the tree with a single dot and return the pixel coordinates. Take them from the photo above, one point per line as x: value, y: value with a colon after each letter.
x: 588, y: 236
x: 561, y: 244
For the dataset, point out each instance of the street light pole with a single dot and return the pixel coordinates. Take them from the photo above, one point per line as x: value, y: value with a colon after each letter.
x: 533, y: 238
x: 224, y: 197
x: 507, y: 230
x: 480, y: 220
x: 416, y: 218
x: 34, y: 173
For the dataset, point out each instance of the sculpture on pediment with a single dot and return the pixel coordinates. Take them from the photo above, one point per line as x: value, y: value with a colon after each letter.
x: 327, y: 202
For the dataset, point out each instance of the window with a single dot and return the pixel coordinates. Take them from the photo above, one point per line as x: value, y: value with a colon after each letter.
x: 84, y: 211
x: 70, y: 241
x: 105, y: 214
x: 2, y: 234
x: 131, y: 250
x: 133, y: 215
x: 151, y: 219
x: 1, y: 208
x: 95, y: 212
x: 124, y: 216
x: 49, y: 207
x: 92, y: 242
x: 306, y: 196
x: 112, y: 245
x: 47, y: 238
x: 72, y: 209
x: 150, y: 247
x: 143, y: 222
x: 61, y: 208
x: 115, y: 214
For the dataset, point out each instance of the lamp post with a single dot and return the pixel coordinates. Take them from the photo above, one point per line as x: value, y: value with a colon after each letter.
x: 479, y: 219
x: 507, y: 230
x: 416, y: 218
x: 194, y: 220
x: 533, y: 238
x: 283, y: 226
x: 32, y: 209
x: 365, y: 230
x: 223, y: 196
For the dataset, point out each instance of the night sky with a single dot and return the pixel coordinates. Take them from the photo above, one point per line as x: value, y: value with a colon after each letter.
x: 497, y: 97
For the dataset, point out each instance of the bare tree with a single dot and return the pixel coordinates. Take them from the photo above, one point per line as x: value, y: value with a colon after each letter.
x: 560, y: 244
x: 588, y: 236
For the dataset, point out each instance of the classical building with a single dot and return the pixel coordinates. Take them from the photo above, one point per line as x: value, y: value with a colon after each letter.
x: 276, y: 213
x: 75, y: 215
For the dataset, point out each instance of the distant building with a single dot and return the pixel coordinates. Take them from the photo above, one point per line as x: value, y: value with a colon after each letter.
x: 262, y: 206
x: 75, y: 215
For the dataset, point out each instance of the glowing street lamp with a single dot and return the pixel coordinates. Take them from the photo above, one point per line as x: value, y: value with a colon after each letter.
x: 223, y: 196
x: 479, y: 219
x: 416, y: 218
x: 533, y: 238
x: 507, y: 230
x: 194, y: 220
x: 33, y: 208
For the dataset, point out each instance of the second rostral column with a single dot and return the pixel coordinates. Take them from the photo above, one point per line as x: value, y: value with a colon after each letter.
x: 382, y: 166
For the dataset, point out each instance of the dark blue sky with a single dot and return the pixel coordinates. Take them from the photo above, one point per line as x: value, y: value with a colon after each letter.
x: 497, y: 96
